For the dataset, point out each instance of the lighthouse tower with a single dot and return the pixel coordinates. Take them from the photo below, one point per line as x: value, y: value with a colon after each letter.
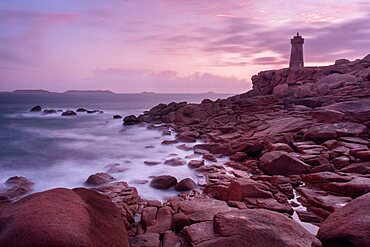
x: 296, y: 54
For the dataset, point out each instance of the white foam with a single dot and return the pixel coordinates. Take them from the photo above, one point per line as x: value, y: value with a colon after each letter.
x: 311, y: 228
x: 106, y: 144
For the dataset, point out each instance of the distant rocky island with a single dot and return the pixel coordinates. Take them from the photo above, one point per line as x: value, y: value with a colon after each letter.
x: 20, y: 91
x: 88, y: 91
x: 299, y: 151
x: 42, y: 91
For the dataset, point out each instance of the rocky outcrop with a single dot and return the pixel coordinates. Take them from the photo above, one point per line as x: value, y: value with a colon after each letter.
x: 311, y: 81
x: 78, y: 217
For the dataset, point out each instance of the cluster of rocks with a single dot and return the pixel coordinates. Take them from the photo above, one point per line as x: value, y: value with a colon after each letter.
x: 67, y: 112
x: 299, y: 133
x: 298, y: 143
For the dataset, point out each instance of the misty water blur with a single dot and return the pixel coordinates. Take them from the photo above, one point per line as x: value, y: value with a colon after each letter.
x: 55, y: 151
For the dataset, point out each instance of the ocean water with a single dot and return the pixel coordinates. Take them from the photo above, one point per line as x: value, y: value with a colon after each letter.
x: 55, y: 151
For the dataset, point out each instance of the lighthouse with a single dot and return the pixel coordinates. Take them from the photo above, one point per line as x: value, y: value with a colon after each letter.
x: 296, y: 54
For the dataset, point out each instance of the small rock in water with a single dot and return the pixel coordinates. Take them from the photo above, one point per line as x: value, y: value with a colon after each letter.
x: 169, y: 142
x: 81, y: 110
x: 99, y: 179
x: 163, y: 182
x: 143, y: 181
x: 151, y: 162
x: 49, y: 111
x: 16, y: 186
x: 175, y: 162
x: 195, y: 163
x: 184, y: 147
x: 115, y: 168
x: 94, y: 111
x: 117, y: 117
x: 130, y: 120
x: 166, y: 132
x: 69, y: 113
x: 36, y: 109
x: 209, y: 157
x: 185, y: 184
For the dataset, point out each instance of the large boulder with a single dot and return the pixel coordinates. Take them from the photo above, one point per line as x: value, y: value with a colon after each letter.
x: 281, y: 163
x: 256, y: 228
x: 348, y: 226
x: 62, y: 217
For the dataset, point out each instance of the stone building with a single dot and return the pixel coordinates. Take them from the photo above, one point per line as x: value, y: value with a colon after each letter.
x: 296, y: 54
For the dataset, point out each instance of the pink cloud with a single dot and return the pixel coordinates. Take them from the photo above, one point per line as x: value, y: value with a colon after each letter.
x: 136, y: 80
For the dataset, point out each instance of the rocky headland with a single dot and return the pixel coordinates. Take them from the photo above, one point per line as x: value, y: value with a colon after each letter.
x: 298, y: 173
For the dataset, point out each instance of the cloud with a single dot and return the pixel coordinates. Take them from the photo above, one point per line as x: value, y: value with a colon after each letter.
x: 333, y: 31
x: 23, y: 32
x: 65, y: 42
x: 137, y: 80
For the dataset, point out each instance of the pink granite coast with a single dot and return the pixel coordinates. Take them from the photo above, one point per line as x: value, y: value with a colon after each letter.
x: 297, y: 173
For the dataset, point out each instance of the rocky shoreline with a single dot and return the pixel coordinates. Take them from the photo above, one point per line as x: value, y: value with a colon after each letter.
x: 298, y: 145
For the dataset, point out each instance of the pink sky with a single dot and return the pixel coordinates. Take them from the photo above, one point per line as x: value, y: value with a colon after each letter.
x: 169, y: 45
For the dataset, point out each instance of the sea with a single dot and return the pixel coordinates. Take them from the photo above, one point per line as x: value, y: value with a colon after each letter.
x: 58, y: 151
